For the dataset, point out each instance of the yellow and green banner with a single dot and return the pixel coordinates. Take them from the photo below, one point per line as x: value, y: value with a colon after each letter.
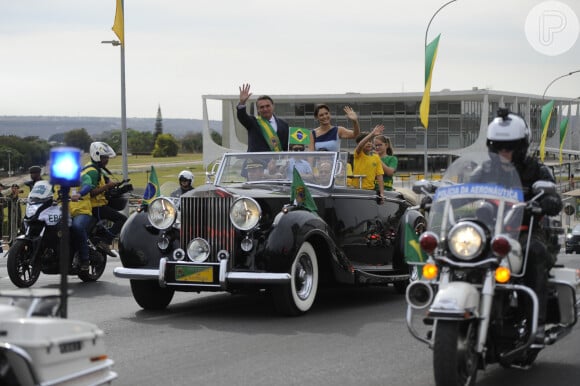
x: 430, y: 56
x: 119, y: 23
x: 563, y: 130
x: 545, y: 119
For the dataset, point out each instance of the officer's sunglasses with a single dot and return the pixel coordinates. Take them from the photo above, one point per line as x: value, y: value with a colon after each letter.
x: 505, y: 145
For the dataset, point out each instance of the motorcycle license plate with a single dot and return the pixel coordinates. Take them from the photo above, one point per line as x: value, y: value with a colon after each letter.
x: 194, y: 274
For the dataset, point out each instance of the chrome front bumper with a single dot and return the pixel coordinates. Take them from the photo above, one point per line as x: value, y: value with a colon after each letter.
x: 225, y: 277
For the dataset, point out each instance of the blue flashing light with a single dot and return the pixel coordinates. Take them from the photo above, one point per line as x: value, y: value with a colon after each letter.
x: 65, y: 166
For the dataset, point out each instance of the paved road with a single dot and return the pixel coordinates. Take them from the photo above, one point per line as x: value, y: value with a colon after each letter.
x: 350, y: 337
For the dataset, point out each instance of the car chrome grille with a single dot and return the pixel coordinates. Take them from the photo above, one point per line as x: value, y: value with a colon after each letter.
x: 208, y: 218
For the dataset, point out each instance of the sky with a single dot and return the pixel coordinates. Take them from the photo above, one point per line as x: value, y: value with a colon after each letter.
x: 52, y: 61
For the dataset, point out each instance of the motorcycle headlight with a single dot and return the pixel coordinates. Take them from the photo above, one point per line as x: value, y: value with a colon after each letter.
x: 198, y: 250
x: 245, y: 213
x: 162, y: 213
x: 465, y: 240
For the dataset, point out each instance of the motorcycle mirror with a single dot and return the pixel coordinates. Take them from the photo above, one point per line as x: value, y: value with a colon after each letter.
x: 543, y: 186
x: 423, y: 186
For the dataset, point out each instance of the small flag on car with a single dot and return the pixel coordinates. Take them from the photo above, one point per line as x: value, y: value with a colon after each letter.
x: 152, y: 188
x: 300, y: 195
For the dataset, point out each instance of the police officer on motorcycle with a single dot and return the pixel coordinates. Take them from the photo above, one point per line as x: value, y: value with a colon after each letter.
x: 509, y: 137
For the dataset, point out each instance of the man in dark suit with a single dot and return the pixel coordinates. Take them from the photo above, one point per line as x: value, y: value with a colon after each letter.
x: 266, y: 132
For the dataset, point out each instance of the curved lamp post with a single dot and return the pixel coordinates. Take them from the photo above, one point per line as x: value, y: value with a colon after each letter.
x: 560, y: 77
x: 425, y: 50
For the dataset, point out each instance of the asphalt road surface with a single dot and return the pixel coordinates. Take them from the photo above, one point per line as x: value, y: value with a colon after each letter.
x: 350, y: 337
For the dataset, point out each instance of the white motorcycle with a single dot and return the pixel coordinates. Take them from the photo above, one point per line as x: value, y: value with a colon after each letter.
x: 39, y: 348
x: 471, y: 298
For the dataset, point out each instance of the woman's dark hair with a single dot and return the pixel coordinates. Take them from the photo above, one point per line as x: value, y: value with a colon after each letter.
x: 318, y: 107
x: 387, y: 141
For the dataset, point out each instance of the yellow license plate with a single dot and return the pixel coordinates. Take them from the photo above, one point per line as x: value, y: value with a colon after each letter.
x: 195, y: 274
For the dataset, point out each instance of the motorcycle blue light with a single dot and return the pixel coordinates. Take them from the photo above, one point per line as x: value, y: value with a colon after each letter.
x: 65, y: 166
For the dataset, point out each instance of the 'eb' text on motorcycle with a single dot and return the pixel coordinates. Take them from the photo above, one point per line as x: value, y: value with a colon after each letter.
x: 37, y: 249
x: 472, y: 298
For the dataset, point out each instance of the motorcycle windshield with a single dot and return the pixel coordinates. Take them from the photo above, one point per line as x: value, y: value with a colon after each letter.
x: 485, y: 190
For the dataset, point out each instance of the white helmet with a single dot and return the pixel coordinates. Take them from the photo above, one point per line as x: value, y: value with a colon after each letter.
x: 187, y: 175
x: 509, y: 131
x: 99, y: 149
x: 41, y: 192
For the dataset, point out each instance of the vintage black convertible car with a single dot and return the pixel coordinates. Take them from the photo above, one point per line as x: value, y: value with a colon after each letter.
x: 242, y: 232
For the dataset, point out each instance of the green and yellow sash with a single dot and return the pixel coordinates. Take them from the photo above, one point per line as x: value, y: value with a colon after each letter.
x: 269, y: 134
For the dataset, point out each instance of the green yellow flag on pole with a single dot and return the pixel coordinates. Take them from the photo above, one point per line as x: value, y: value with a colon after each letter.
x: 430, y: 56
x: 563, y: 130
x: 545, y: 119
x: 152, y: 188
x: 300, y: 195
x: 119, y: 24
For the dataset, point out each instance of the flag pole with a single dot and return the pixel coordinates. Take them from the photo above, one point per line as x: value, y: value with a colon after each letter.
x: 425, y: 60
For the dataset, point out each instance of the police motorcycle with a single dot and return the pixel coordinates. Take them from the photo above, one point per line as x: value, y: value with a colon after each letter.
x: 37, y: 249
x: 471, y: 299
x: 39, y: 348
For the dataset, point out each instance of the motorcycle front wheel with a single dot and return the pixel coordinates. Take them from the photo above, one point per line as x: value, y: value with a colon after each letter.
x: 454, y: 355
x: 22, y: 269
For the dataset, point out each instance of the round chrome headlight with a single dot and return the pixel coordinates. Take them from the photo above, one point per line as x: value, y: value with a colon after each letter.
x: 466, y: 240
x: 245, y: 213
x: 198, y: 250
x: 162, y: 213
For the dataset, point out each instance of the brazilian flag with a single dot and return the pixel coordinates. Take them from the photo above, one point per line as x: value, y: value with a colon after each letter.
x: 300, y: 195
x: 299, y: 136
x: 152, y: 188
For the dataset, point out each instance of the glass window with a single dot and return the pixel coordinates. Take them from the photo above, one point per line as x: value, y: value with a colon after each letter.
x: 455, y: 108
x: 442, y: 140
x: 388, y: 108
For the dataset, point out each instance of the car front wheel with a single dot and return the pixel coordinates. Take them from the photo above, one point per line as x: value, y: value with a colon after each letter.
x: 150, y: 296
x: 296, y: 297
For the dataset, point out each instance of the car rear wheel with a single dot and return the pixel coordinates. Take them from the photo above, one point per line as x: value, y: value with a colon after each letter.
x: 150, y: 296
x: 296, y: 297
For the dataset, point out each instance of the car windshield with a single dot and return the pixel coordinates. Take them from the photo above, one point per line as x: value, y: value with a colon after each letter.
x: 315, y: 168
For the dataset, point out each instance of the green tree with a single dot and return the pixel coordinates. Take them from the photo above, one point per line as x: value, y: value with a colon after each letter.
x: 158, y: 124
x: 165, y: 146
x: 192, y: 143
x: 217, y: 137
x: 78, y: 138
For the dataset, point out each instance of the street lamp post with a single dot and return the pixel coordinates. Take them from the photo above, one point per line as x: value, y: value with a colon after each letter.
x: 553, y: 81
x: 425, y: 49
x: 123, y: 108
